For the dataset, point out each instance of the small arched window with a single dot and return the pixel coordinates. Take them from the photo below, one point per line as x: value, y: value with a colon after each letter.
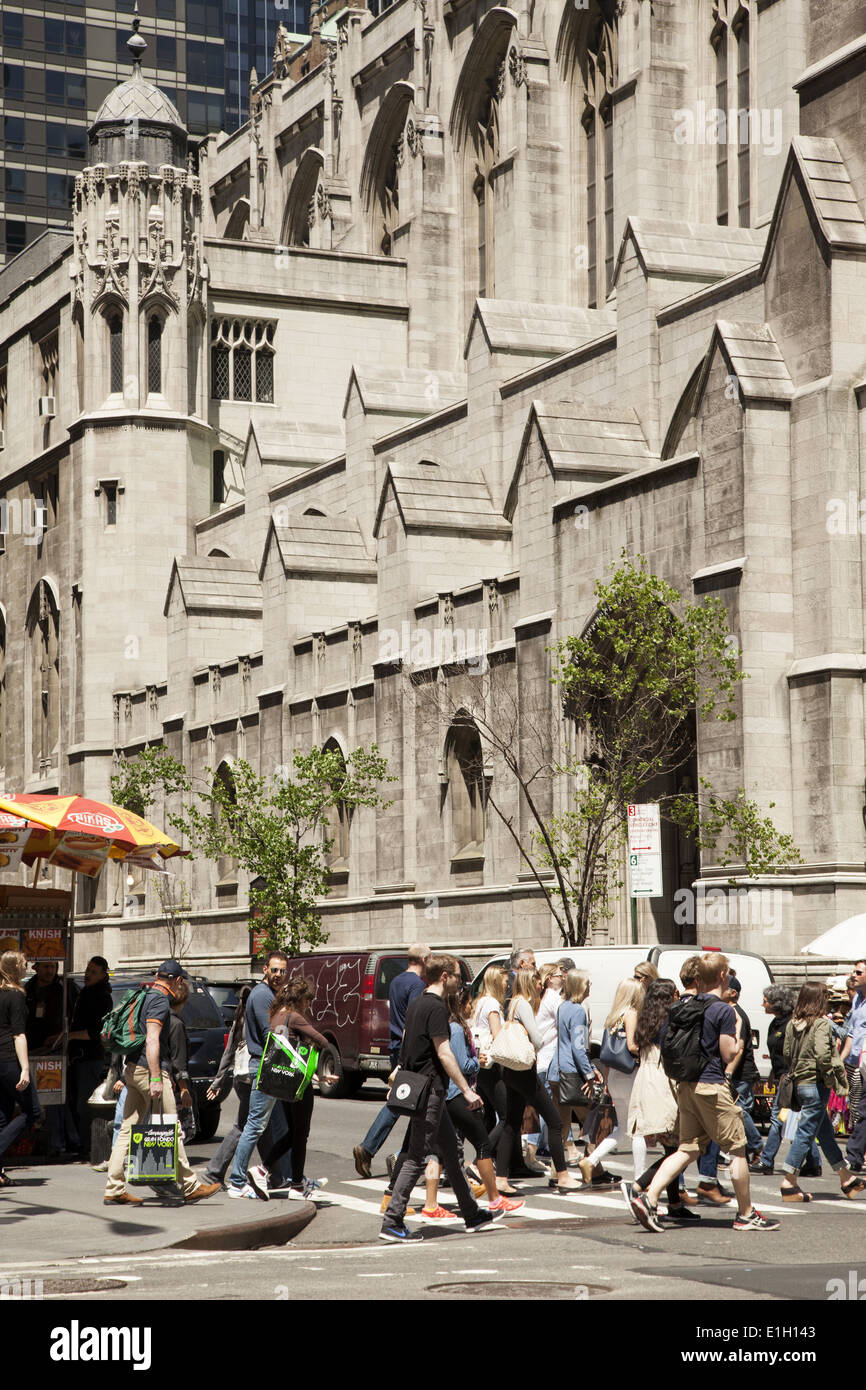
x: 115, y: 353
x: 154, y: 356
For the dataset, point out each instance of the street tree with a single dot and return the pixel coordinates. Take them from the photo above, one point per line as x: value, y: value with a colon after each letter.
x: 629, y: 694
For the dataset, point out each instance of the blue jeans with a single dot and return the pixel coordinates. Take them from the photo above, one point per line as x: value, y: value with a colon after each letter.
x: 261, y: 1107
x: 708, y: 1163
x: 746, y: 1102
x: 814, y: 1124
x: 773, y: 1141
x: 118, y: 1115
x: 384, y: 1121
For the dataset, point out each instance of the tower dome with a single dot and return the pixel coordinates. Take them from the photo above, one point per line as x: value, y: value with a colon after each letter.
x: 137, y: 122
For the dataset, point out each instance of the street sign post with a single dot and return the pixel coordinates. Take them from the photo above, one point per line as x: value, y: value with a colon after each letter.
x: 644, y: 851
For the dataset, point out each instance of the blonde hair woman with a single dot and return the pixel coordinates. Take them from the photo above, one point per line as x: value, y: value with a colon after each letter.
x: 15, y: 1083
x: 571, y: 1053
x: 487, y: 1019
x: 524, y: 1088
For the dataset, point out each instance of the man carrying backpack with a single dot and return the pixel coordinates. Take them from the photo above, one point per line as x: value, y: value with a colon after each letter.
x: 148, y: 1085
x: 699, y: 1043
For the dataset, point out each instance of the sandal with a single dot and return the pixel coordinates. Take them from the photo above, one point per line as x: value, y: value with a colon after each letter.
x: 794, y: 1194
x: 851, y: 1189
x: 6, y: 1181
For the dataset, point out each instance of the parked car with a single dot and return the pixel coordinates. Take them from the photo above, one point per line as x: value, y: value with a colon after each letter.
x: 350, y: 1006
x: 207, y: 1039
x: 607, y: 965
x: 226, y: 997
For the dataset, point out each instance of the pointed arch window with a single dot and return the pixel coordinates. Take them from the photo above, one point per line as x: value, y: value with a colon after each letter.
x: 43, y: 631
x: 390, y: 201
x: 338, y: 822
x: 599, y: 67
x: 465, y: 772
x: 486, y: 158
x: 731, y: 44
x: 154, y: 355
x: 115, y: 352
x: 227, y: 865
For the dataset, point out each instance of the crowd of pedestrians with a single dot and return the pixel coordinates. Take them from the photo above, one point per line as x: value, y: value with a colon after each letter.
x: 510, y: 1090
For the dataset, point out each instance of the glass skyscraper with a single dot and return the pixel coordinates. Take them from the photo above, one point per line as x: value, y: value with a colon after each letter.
x: 60, y: 59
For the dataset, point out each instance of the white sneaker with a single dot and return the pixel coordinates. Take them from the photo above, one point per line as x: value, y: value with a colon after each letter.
x: 310, y: 1190
x: 258, y: 1179
x: 245, y: 1191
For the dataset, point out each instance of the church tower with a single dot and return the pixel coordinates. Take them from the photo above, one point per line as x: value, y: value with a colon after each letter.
x: 139, y: 268
x: 142, y: 443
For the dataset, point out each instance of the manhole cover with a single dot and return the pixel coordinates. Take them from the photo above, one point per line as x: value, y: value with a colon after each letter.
x: 519, y: 1288
x: 45, y: 1288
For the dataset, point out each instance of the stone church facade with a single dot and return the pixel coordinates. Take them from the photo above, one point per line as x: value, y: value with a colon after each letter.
x: 479, y: 300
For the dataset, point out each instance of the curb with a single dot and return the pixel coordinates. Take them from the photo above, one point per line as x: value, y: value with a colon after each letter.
x: 251, y: 1235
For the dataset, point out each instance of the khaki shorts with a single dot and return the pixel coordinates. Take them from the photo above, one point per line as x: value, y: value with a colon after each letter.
x: 709, y: 1112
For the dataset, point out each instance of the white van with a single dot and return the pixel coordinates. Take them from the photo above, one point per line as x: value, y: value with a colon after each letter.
x: 607, y: 965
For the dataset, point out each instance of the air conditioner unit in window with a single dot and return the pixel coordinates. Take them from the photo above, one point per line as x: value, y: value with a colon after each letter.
x: 2, y: 439
x: 48, y: 406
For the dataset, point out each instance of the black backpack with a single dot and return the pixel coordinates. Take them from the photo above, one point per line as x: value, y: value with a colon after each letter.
x: 683, y: 1057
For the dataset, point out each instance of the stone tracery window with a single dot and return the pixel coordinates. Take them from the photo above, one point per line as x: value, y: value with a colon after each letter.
x: 115, y: 352
x: 599, y: 62
x: 730, y: 39
x: 242, y: 360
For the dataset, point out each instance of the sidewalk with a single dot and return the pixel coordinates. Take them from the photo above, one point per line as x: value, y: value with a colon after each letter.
x: 56, y: 1211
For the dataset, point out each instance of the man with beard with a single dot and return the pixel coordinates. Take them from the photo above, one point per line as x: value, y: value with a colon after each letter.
x: 426, y: 1050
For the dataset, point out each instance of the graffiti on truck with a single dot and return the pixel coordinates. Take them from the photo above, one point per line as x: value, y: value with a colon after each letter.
x: 337, y: 998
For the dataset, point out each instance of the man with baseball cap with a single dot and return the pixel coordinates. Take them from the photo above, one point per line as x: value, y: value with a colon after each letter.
x: 148, y: 1086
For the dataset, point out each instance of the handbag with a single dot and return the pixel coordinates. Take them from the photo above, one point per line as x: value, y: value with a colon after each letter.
x: 601, y: 1121
x: 615, y: 1052
x: 286, y: 1068
x: 570, y: 1083
x: 786, y: 1093
x: 408, y: 1092
x: 153, y: 1152
x: 512, y: 1047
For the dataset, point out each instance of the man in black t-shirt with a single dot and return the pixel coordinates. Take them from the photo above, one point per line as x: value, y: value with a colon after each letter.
x: 88, y: 1062
x: 427, y: 1051
x: 148, y: 1086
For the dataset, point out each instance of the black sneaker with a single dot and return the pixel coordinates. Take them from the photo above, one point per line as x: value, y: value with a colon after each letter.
x: 399, y: 1235
x: 755, y: 1222
x: 482, y: 1220
x: 680, y: 1212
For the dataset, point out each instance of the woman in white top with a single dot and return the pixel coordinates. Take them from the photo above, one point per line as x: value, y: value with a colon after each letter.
x: 524, y: 1088
x: 485, y: 1024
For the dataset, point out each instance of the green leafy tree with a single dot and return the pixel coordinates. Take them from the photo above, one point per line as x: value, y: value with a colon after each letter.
x: 648, y: 667
x: 280, y: 830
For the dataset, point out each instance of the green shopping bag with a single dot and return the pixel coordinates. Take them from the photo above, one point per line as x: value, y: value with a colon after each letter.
x: 286, y: 1068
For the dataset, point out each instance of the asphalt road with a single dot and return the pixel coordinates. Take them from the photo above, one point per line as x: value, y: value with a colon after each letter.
x: 581, y: 1247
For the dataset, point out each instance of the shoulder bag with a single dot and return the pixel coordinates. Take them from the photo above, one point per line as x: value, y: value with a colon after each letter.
x: 512, y: 1047
x: 409, y: 1091
x: 787, y: 1096
x: 615, y: 1051
x: 570, y: 1082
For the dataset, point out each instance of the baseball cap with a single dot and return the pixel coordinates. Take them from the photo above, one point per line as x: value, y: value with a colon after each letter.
x: 172, y: 969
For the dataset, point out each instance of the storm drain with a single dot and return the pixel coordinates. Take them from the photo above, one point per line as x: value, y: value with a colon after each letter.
x: 48, y: 1288
x: 519, y: 1288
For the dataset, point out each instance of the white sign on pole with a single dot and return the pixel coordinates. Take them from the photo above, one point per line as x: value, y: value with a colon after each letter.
x: 644, y: 851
